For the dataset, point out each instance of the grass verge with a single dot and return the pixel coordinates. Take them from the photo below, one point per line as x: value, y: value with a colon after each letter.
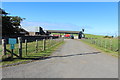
x: 32, y: 56
x: 109, y: 52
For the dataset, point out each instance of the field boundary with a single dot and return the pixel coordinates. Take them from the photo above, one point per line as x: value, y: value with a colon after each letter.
x: 40, y: 58
x: 103, y: 50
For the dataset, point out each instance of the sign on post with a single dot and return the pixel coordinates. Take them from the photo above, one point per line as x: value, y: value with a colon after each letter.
x: 12, y: 46
x: 12, y: 41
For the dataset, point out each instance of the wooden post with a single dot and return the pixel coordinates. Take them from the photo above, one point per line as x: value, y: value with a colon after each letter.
x: 105, y: 44
x: 101, y: 43
x: 91, y: 40
x: 95, y: 41
x: 98, y: 43
x: 36, y: 46
x: 11, y: 54
x: 51, y: 41
x: 3, y: 47
x: 44, y: 44
x: 26, y: 46
x: 110, y: 44
x: 20, y: 46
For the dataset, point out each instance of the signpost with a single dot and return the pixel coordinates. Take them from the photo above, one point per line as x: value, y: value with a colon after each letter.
x: 12, y: 42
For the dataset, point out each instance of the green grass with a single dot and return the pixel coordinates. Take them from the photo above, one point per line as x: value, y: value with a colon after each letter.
x: 101, y: 49
x: 32, y: 55
x: 109, y: 45
x: 93, y: 36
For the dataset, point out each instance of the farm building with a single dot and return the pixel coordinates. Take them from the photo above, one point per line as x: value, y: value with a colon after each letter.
x: 39, y: 32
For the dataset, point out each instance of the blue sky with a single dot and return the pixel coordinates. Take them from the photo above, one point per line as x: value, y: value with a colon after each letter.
x: 95, y: 17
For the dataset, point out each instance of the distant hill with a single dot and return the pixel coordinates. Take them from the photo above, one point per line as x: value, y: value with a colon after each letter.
x: 93, y: 36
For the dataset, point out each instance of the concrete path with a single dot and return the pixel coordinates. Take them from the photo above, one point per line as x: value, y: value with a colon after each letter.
x: 74, y: 59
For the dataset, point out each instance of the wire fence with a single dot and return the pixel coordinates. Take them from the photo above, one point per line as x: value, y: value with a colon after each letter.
x: 109, y: 44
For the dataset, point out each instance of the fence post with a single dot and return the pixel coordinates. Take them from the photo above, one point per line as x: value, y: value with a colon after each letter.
x: 11, y: 54
x: 105, y: 44
x: 110, y: 44
x: 3, y: 47
x: 44, y: 44
x: 95, y: 41
x: 90, y: 40
x: 20, y: 46
x: 26, y: 46
x: 36, y: 46
x: 51, y: 41
x: 101, y: 43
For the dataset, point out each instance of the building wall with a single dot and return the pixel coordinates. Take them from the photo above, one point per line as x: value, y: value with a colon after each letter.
x: 32, y: 33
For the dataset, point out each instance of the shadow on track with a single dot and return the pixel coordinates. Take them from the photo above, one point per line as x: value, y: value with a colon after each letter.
x: 75, y: 54
x: 43, y: 58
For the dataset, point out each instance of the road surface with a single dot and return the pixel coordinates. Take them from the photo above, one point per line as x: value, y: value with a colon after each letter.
x: 74, y: 59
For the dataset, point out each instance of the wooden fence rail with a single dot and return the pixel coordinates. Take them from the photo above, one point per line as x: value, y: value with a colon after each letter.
x: 24, y: 49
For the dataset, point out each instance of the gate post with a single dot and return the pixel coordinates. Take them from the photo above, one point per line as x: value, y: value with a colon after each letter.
x: 44, y: 44
x: 20, y: 46
x: 3, y: 47
x: 36, y: 45
x: 26, y: 46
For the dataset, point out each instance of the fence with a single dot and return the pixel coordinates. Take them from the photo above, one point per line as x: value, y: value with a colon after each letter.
x: 109, y: 44
x: 25, y: 49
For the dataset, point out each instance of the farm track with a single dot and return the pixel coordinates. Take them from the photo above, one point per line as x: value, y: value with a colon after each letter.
x: 74, y: 59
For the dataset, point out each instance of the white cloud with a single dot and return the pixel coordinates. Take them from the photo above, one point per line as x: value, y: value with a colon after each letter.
x: 31, y: 26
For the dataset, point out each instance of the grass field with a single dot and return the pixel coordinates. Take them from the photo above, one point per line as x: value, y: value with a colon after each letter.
x: 51, y: 45
x: 105, y: 44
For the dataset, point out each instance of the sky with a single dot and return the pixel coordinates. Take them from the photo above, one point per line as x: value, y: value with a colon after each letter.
x: 99, y: 18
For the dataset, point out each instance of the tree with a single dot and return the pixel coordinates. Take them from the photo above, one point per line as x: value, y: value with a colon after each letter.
x: 2, y: 12
x: 16, y: 20
x: 10, y: 24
